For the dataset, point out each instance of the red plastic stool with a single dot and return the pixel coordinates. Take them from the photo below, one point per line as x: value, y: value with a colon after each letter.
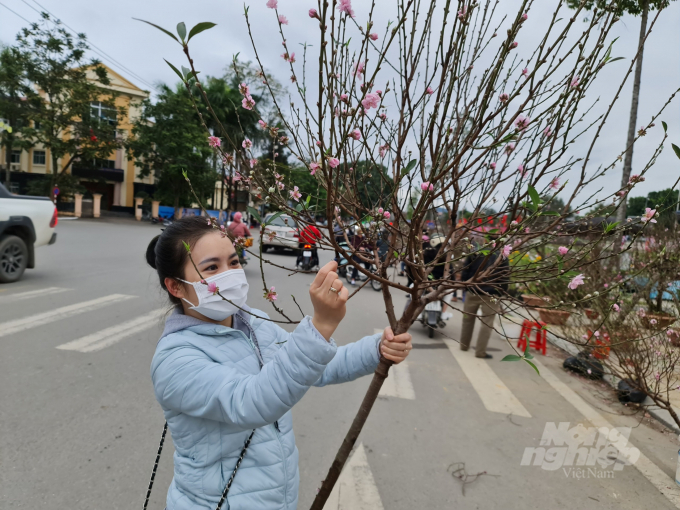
x: 540, y: 343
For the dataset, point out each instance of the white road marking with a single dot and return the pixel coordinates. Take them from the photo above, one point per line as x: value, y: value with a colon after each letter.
x: 495, y: 395
x: 31, y: 294
x: 398, y: 383
x: 40, y: 319
x: 109, y: 336
x: 355, y: 488
x: 664, y: 484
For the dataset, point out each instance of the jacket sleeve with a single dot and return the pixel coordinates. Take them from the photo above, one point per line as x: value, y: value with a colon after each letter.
x: 185, y: 379
x: 352, y: 361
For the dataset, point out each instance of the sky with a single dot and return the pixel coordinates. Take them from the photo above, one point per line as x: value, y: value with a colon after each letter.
x: 110, y: 27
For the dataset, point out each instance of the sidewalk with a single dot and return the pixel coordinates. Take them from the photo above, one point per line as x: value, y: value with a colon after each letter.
x: 661, y: 415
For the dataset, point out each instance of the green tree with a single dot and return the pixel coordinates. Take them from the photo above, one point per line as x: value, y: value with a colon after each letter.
x: 665, y: 202
x: 636, y: 206
x: 636, y: 8
x: 168, y: 139
x: 233, y: 122
x: 76, y: 117
x: 17, y: 97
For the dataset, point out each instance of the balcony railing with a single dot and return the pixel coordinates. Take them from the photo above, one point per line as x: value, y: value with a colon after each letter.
x: 108, y: 174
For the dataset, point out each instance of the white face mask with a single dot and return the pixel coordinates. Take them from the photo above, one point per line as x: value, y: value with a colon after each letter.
x: 231, y: 284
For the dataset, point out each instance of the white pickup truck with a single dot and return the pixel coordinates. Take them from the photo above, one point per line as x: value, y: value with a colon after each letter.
x: 25, y: 222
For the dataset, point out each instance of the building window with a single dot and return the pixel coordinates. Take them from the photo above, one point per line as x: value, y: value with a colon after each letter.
x: 106, y: 163
x: 38, y: 157
x: 104, y: 113
x: 15, y: 157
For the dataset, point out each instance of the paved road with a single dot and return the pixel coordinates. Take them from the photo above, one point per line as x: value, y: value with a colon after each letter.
x: 79, y: 424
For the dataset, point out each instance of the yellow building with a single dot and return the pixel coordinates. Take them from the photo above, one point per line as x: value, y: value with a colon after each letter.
x: 115, y: 178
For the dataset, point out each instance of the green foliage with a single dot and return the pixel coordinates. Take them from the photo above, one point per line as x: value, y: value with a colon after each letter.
x: 633, y: 7
x: 17, y: 97
x: 373, y: 184
x: 664, y: 201
x: 168, y: 139
x: 636, y: 206
x: 68, y: 125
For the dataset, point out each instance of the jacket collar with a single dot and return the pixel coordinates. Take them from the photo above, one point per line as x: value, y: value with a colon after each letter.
x: 178, y: 321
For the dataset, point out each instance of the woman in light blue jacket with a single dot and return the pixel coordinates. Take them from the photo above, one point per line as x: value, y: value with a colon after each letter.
x: 227, y: 377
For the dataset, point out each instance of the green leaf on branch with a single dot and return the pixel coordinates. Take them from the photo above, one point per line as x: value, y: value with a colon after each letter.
x: 532, y: 366
x: 610, y: 226
x: 535, y: 197
x: 298, y: 207
x: 512, y: 357
x: 159, y: 28
x: 665, y: 126
x: 550, y: 213
x: 309, y: 197
x: 187, y: 247
x: 410, y: 166
x: 273, y: 217
x: 676, y: 149
x: 176, y: 70
x: 186, y: 72
x: 253, y: 212
x: 200, y: 27
x: 181, y: 30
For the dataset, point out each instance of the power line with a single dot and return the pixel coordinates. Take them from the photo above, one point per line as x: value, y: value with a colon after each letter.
x: 94, y: 48
x: 13, y: 12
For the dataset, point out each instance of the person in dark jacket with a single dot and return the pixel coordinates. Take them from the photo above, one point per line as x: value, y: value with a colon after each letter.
x: 483, y: 295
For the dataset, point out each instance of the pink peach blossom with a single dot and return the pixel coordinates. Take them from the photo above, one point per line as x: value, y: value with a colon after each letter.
x: 372, y: 100
x: 313, y: 13
x: 272, y: 4
x: 346, y: 7
x: 356, y: 134
x: 333, y: 162
x: 373, y: 36
x: 270, y: 295
x: 575, y: 282
x: 563, y: 250
x: 295, y: 194
x: 283, y: 20
x: 427, y: 186
x: 313, y: 167
x: 506, y: 251
x: 214, y: 141
x: 429, y: 91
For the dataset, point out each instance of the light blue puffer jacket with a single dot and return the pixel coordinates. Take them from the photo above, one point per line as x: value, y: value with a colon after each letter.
x: 208, y: 381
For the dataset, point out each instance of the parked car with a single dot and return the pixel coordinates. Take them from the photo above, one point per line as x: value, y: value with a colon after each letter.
x: 25, y: 223
x: 281, y: 233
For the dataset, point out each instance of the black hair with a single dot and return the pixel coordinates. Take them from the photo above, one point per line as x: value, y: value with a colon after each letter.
x: 166, y: 252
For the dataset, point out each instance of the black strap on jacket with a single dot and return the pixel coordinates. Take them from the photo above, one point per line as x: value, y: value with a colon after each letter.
x: 246, y: 329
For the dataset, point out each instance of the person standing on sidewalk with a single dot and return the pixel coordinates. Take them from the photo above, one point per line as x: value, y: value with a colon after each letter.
x: 484, y: 295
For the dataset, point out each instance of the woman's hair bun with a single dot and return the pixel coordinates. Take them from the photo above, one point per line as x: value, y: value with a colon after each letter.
x: 151, y: 252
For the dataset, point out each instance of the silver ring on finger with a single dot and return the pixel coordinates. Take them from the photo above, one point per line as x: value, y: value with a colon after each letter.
x: 333, y: 289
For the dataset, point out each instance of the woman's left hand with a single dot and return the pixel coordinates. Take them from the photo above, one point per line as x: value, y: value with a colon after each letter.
x: 395, y: 347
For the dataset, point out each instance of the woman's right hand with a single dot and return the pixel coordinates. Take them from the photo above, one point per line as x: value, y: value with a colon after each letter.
x: 329, y: 305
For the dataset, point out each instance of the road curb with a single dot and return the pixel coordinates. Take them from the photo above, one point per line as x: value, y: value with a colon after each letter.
x: 661, y: 415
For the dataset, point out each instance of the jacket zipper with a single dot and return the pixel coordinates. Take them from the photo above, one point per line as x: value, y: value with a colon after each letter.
x: 278, y: 439
x: 283, y: 458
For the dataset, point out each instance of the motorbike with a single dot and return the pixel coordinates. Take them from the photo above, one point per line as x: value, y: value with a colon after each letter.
x: 431, y: 317
x: 342, y: 261
x: 307, y: 257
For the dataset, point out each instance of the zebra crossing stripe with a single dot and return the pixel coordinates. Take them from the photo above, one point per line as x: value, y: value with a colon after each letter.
x: 20, y: 296
x: 495, y: 395
x: 41, y: 319
x: 109, y: 336
x: 356, y: 488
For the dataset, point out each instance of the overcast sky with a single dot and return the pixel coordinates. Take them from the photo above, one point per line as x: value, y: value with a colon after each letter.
x: 110, y: 27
